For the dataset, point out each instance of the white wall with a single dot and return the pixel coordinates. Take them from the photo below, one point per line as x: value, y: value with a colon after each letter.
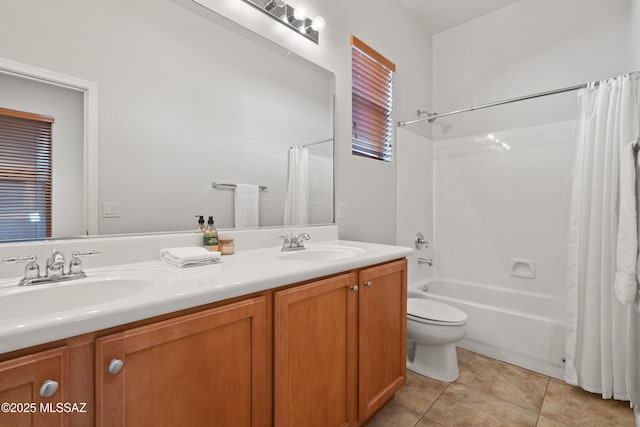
x: 369, y: 188
x: 67, y: 109
x: 634, y: 36
x: 493, y: 203
x: 527, y: 47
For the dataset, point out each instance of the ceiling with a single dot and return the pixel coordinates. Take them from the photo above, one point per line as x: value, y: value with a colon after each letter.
x: 440, y: 15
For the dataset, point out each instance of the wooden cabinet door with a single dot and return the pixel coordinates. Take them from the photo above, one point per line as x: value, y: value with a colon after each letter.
x: 382, y: 313
x: 203, y: 369
x: 20, y: 382
x: 315, y: 354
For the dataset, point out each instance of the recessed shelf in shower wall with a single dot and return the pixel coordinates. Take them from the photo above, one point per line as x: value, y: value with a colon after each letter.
x: 524, y: 268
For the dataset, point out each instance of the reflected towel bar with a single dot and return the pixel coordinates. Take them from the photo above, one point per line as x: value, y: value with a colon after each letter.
x: 223, y: 185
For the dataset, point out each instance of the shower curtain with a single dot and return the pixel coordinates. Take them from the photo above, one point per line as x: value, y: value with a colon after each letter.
x: 602, y: 343
x: 296, y: 204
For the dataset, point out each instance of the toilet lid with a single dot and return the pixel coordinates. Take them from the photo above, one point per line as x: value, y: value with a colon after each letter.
x: 422, y: 309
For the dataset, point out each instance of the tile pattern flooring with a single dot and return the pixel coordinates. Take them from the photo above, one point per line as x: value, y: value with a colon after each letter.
x: 492, y: 393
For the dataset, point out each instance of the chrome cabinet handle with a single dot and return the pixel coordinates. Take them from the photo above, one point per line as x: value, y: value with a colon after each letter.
x: 354, y: 288
x: 48, y: 388
x: 368, y: 283
x: 115, y: 366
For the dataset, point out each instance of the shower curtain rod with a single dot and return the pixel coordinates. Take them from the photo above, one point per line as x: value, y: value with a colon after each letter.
x: 313, y: 143
x: 431, y: 117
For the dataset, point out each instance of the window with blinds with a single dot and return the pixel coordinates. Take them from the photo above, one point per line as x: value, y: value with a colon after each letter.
x: 25, y: 175
x: 372, y: 102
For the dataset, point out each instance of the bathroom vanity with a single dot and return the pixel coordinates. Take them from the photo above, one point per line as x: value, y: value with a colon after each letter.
x: 259, y: 340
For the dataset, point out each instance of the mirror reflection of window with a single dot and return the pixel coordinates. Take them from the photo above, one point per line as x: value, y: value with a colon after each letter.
x: 25, y: 175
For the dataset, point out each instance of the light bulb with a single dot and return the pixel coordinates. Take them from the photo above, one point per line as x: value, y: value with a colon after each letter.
x: 300, y: 13
x: 318, y: 23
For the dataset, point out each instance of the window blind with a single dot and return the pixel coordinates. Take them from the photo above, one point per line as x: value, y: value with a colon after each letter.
x: 25, y: 175
x: 372, y: 102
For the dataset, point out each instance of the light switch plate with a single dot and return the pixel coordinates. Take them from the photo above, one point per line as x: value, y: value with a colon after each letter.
x: 111, y: 209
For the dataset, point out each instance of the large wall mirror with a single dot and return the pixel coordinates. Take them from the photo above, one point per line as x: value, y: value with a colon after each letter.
x: 182, y: 102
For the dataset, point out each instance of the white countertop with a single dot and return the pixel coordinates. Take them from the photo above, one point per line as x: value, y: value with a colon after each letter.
x: 174, y: 289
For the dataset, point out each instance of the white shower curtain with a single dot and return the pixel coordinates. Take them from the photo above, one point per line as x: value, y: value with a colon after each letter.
x: 600, y: 356
x: 296, y: 204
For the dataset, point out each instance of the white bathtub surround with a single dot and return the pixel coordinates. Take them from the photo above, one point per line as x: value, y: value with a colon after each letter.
x: 493, y: 205
x: 522, y: 328
x: 415, y: 199
x: 598, y: 324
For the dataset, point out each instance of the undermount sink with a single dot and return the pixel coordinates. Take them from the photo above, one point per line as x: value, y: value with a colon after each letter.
x: 321, y: 253
x: 36, y: 300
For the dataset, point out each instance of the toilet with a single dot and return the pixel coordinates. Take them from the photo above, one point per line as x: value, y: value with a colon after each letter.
x: 433, y: 329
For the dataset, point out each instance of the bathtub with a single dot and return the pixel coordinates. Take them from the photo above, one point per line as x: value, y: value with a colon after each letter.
x: 522, y: 328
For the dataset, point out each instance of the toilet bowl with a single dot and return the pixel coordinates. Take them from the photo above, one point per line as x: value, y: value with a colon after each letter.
x: 433, y: 329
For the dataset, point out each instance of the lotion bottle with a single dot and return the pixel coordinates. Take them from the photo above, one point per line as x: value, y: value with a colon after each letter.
x: 210, y: 236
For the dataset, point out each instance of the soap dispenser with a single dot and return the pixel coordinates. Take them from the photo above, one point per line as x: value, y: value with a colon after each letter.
x: 210, y: 236
x: 201, y: 227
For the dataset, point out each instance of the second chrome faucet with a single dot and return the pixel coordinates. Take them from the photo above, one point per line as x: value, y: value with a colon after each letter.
x: 293, y: 242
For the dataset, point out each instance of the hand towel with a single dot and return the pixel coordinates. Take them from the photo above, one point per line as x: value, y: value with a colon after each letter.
x: 189, y: 256
x: 246, y: 205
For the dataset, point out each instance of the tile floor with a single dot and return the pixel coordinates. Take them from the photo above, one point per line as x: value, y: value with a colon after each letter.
x: 492, y: 393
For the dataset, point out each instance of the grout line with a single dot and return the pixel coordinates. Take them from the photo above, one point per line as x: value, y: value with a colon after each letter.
x: 506, y: 364
x: 424, y: 414
x: 543, y: 399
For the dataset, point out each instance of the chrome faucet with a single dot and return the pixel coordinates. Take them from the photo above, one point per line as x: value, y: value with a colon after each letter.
x: 294, y: 243
x: 427, y: 261
x: 54, y: 268
x: 55, y: 265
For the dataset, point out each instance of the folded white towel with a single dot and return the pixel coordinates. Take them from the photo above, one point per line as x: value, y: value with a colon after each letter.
x: 189, y: 256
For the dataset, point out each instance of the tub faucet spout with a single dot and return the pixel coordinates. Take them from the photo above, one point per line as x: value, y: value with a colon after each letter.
x: 427, y: 261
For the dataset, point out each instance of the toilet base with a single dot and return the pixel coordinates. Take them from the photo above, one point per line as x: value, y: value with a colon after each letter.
x: 437, y: 361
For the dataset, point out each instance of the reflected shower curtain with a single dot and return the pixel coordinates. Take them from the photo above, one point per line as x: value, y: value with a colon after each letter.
x: 296, y: 204
x: 601, y: 347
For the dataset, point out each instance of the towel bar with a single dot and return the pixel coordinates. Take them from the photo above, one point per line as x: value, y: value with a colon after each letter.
x: 223, y: 185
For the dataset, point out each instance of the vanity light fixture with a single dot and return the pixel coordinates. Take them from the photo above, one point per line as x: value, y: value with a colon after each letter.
x: 291, y: 17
